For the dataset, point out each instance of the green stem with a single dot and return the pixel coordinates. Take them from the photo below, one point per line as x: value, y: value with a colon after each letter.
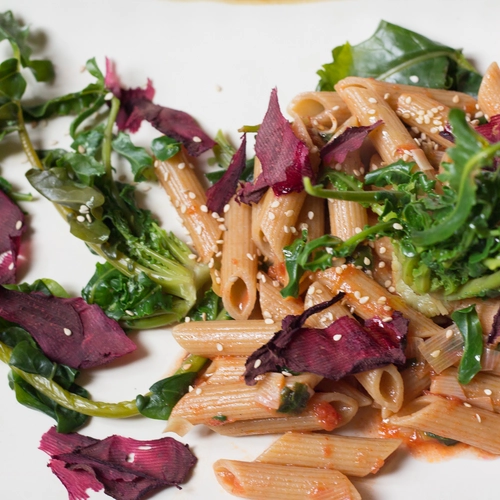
x: 108, y: 135
x: 69, y: 400
x: 476, y: 287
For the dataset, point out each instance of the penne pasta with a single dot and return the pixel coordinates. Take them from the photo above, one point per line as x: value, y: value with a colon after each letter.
x: 489, y: 92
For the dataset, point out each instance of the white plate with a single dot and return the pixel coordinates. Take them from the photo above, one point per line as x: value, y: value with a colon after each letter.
x: 189, y: 50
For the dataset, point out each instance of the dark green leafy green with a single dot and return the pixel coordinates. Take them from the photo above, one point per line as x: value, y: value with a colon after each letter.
x: 395, y: 54
x: 165, y: 147
x: 470, y: 327
x: 294, y: 400
x: 140, y: 161
x: 443, y: 440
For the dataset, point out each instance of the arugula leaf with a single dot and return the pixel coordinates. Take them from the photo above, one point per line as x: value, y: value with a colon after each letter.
x: 165, y: 147
x: 470, y: 327
x: 395, y: 54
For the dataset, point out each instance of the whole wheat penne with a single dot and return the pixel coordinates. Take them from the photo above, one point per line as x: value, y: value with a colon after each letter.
x: 238, y: 262
x: 225, y: 369
x: 259, y: 481
x: 375, y: 300
x: 324, y: 412
x: 230, y: 338
x: 312, y: 217
x: 347, y: 388
x: 390, y: 92
x: 428, y: 115
x: 451, y: 419
x: 189, y: 199
x: 443, y: 350
x: 416, y: 379
x: 353, y: 456
x: 273, y: 306
x: 391, y: 139
x: 384, y: 385
x: 489, y: 92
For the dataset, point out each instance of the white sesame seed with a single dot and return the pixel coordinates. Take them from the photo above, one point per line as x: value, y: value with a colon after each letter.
x: 190, y: 388
x: 181, y: 166
x: 372, y: 111
x: 397, y: 226
x: 414, y: 78
x: 197, y: 391
x: 339, y: 270
x: 367, y: 261
x: 391, y: 289
x: 192, y: 256
x: 219, y: 346
x: 310, y: 215
x: 357, y: 294
x: 372, y: 100
x: 187, y: 319
x: 266, y: 314
x: 183, y: 208
x: 226, y: 208
x: 249, y: 256
x: 257, y: 363
x: 387, y: 319
x: 269, y: 321
x: 387, y: 308
x: 386, y: 96
x: 286, y: 374
x: 276, y: 283
x: 467, y: 405
x: 357, y: 230
x: 198, y: 229
x: 192, y: 195
x: 293, y: 230
x: 80, y: 218
x: 337, y: 337
x: 222, y: 227
x: 488, y: 392
x: 289, y: 213
x: 286, y: 229
x: 275, y: 204
x: 387, y: 283
x: 81, y: 149
x: 108, y: 96
x: 382, y: 299
x: 382, y: 250
x: 356, y: 172
x: 67, y: 332
x: 456, y: 99
x: 196, y: 139
x: 364, y: 300
x: 271, y: 216
x: 381, y: 264
x: 204, y: 208
x: 478, y: 417
x: 449, y: 334
x: 220, y: 219
x: 435, y: 353
x: 11, y: 266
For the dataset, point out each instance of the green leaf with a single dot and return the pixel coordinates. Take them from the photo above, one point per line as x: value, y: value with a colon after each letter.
x: 17, y: 35
x: 292, y: 255
x: 470, y: 327
x: 294, y: 400
x: 165, y: 147
x: 140, y: 161
x: 395, y: 54
x: 12, y: 83
x: 83, y: 165
x: 89, y: 141
x: 208, y: 309
x: 164, y: 396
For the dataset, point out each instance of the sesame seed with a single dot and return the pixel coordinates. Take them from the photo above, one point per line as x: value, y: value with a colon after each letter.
x: 289, y: 213
x: 67, y: 332
x: 108, y: 96
x: 387, y: 319
x: 266, y: 314
x: 357, y: 294
x: 364, y: 300
x: 211, y: 263
x: 181, y: 166
x: 222, y: 227
x: 382, y: 250
x: 435, y: 353
x: 382, y: 299
x: 271, y: 216
x: 218, y: 254
x: 357, y: 230
x: 183, y: 208
x: 391, y: 289
x: 276, y: 283
x: 197, y: 391
x: 198, y: 229
x: 310, y: 215
x: 386, y: 96
x: 249, y: 256
x: 381, y: 264
x: 257, y: 363
x: 215, y: 215
x: 339, y: 270
x: 269, y: 321
x: 220, y: 242
x: 414, y: 78
x: 479, y: 114
x: 187, y: 319
x: 11, y: 266
x: 371, y: 111
x: 81, y: 149
x: 190, y: 388
x: 467, y: 405
x: 397, y: 226
x: 204, y: 208
x: 488, y: 392
x: 478, y: 417
x: 356, y: 172
x: 338, y: 168
x: 80, y: 218
x: 218, y: 280
x: 449, y: 334
x: 293, y: 230
x: 286, y: 374
x: 219, y: 346
x: 337, y: 337
x: 275, y: 204
x: 196, y: 139
x: 387, y: 283
x: 387, y: 308
x: 19, y: 225
x: 367, y: 261
x: 372, y: 100
x: 286, y: 229
x: 226, y: 208
x: 220, y: 219
x: 192, y: 195
x: 192, y: 256
x: 434, y: 130
x: 456, y: 99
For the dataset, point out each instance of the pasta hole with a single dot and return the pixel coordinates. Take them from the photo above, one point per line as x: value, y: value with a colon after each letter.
x: 308, y: 108
x: 239, y: 294
x: 388, y: 386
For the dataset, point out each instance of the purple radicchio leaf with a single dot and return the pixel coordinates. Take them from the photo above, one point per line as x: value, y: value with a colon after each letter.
x: 11, y: 229
x: 222, y: 191
x: 284, y: 157
x: 125, y: 468
x: 137, y: 105
x: 490, y: 130
x: 69, y: 331
x: 343, y: 348
x: 494, y: 335
x: 350, y: 140
x: 447, y: 133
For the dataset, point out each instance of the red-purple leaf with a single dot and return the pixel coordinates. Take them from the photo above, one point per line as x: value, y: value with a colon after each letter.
x: 284, y: 157
x: 350, y: 140
x: 222, y: 191
x: 11, y: 228
x: 127, y: 469
x: 69, y: 331
x: 343, y: 348
x: 137, y: 105
x: 491, y: 130
x: 494, y: 335
x: 176, y: 124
